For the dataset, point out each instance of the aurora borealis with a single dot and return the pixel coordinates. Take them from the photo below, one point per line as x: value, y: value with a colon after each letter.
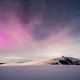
x: 38, y: 29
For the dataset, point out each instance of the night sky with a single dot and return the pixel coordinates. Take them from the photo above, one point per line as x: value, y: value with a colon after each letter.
x: 39, y: 29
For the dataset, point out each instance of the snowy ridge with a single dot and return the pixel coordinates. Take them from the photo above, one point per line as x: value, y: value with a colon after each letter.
x: 63, y: 61
x: 55, y: 61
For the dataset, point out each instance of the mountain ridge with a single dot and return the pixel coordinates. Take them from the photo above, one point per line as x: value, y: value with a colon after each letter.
x: 63, y: 61
x: 53, y: 61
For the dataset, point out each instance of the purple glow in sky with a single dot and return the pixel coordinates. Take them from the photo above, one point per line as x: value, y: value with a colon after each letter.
x: 39, y: 29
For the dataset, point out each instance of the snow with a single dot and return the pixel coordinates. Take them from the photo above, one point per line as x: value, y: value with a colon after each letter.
x: 40, y: 72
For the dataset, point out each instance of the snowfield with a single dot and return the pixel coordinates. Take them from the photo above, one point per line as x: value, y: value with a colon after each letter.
x: 40, y: 72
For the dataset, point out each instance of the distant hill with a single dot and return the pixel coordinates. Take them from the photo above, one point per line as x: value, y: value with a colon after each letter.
x: 62, y: 61
x: 55, y: 61
x: 2, y: 63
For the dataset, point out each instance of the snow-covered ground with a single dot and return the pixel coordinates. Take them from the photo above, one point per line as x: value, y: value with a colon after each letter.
x: 40, y: 72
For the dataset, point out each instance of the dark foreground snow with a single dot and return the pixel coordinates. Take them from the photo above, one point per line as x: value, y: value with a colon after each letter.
x: 43, y: 72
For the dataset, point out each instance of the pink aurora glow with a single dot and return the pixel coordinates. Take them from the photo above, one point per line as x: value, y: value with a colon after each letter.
x: 12, y: 34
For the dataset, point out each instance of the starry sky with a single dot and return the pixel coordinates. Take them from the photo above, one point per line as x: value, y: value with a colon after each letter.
x: 39, y: 29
